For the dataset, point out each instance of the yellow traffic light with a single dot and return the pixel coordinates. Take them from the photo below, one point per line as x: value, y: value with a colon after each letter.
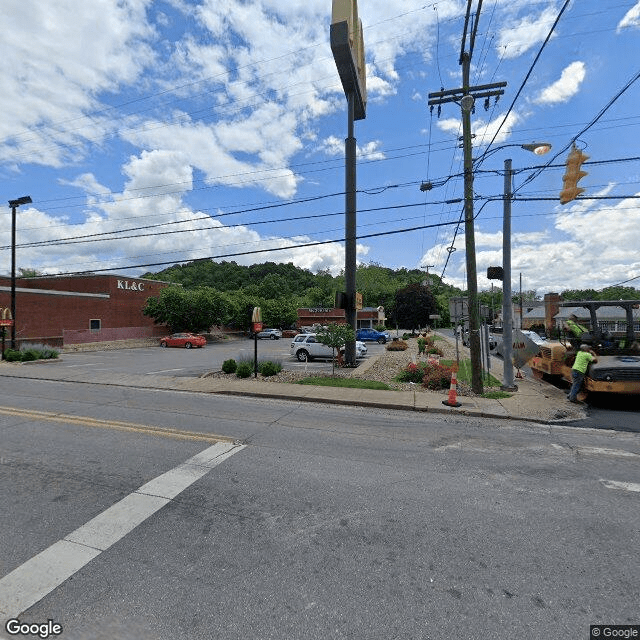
x: 572, y: 174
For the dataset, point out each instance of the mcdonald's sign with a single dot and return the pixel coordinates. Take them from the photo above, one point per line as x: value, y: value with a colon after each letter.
x: 4, y: 320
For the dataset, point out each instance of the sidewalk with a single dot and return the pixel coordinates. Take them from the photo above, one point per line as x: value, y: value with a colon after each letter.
x: 535, y: 400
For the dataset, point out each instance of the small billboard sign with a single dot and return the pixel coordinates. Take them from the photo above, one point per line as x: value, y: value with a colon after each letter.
x: 524, y: 349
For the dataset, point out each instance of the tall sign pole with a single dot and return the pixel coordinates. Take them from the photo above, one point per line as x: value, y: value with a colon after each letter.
x: 347, y: 46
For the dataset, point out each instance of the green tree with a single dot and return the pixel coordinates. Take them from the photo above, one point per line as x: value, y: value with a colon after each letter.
x: 183, y: 310
x: 240, y: 309
x: 335, y: 336
x: 318, y: 297
x: 377, y: 285
x: 28, y: 272
x: 413, y: 306
x: 280, y: 312
x: 580, y: 294
x: 608, y: 293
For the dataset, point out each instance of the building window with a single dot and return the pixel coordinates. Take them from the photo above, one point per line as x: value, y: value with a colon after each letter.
x: 94, y: 325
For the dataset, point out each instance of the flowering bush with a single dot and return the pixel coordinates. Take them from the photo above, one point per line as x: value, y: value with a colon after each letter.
x: 432, y: 375
x: 436, y: 376
x: 412, y: 373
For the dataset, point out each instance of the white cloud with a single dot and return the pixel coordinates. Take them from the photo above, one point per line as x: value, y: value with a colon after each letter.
x: 518, y: 37
x: 566, y: 87
x: 631, y: 18
x: 55, y: 60
x: 483, y: 131
x: 334, y: 146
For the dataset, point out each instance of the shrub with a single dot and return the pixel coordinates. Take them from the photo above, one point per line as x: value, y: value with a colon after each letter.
x: 397, y: 345
x: 11, y: 355
x: 31, y: 352
x: 49, y: 353
x: 29, y: 355
x: 229, y: 366
x: 433, y: 350
x: 41, y: 351
x: 244, y: 369
x: 412, y: 373
x: 269, y: 368
x: 436, y: 376
x: 421, y: 345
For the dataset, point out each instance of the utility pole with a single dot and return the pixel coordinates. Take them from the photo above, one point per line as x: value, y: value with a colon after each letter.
x: 507, y: 304
x: 466, y: 97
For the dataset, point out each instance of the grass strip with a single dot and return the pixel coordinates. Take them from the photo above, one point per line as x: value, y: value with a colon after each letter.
x: 350, y: 383
x: 464, y: 373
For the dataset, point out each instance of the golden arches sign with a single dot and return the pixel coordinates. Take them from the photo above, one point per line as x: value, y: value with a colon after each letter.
x: 4, y: 320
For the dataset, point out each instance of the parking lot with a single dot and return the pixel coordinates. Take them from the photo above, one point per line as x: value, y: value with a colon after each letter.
x: 195, y: 362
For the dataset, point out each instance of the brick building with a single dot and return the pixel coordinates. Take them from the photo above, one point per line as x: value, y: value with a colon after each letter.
x: 367, y: 317
x: 77, y: 309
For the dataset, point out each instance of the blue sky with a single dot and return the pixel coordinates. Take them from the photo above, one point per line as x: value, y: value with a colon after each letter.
x: 154, y: 132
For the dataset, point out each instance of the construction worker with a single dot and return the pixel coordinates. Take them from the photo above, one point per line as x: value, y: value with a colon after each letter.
x: 584, y: 357
x: 574, y: 327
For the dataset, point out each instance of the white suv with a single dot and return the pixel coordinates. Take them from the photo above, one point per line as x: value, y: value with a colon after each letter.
x: 305, y: 346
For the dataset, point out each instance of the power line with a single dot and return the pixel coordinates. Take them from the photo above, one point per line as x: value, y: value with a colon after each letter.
x: 602, y: 111
x: 526, y: 79
x: 256, y: 251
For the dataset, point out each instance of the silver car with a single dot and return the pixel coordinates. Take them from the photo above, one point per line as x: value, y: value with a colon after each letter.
x: 273, y: 334
x: 306, y: 347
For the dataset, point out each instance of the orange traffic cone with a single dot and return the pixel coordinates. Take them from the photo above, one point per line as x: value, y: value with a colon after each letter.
x: 452, y: 400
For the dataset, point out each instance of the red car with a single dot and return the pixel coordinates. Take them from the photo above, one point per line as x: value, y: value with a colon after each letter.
x: 186, y: 340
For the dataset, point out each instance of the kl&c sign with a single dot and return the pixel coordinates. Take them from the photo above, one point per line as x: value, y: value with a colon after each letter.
x: 130, y: 286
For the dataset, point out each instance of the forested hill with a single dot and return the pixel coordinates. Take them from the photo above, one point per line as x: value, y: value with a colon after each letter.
x: 272, y: 280
x: 230, y: 276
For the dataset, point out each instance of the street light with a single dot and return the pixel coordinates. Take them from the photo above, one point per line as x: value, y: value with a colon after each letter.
x: 539, y: 148
x: 14, y: 204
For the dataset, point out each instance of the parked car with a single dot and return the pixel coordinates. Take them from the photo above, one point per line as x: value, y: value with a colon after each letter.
x: 532, y: 335
x: 493, y: 341
x: 273, y: 334
x: 305, y: 346
x: 381, y: 337
x: 186, y: 340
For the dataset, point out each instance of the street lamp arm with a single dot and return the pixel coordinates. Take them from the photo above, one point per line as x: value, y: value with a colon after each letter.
x: 14, y: 204
x: 539, y: 148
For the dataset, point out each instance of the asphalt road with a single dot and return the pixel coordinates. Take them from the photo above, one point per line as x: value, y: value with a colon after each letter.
x: 327, y: 522
x: 194, y: 362
x: 604, y: 411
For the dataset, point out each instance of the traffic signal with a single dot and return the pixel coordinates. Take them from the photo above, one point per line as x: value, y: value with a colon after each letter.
x: 495, y: 273
x: 572, y: 174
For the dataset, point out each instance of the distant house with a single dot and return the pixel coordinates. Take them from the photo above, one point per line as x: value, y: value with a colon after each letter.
x: 552, y: 316
x: 533, y: 315
x: 611, y: 319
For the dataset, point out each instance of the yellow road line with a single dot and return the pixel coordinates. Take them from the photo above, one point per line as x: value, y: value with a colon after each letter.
x: 166, y: 432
